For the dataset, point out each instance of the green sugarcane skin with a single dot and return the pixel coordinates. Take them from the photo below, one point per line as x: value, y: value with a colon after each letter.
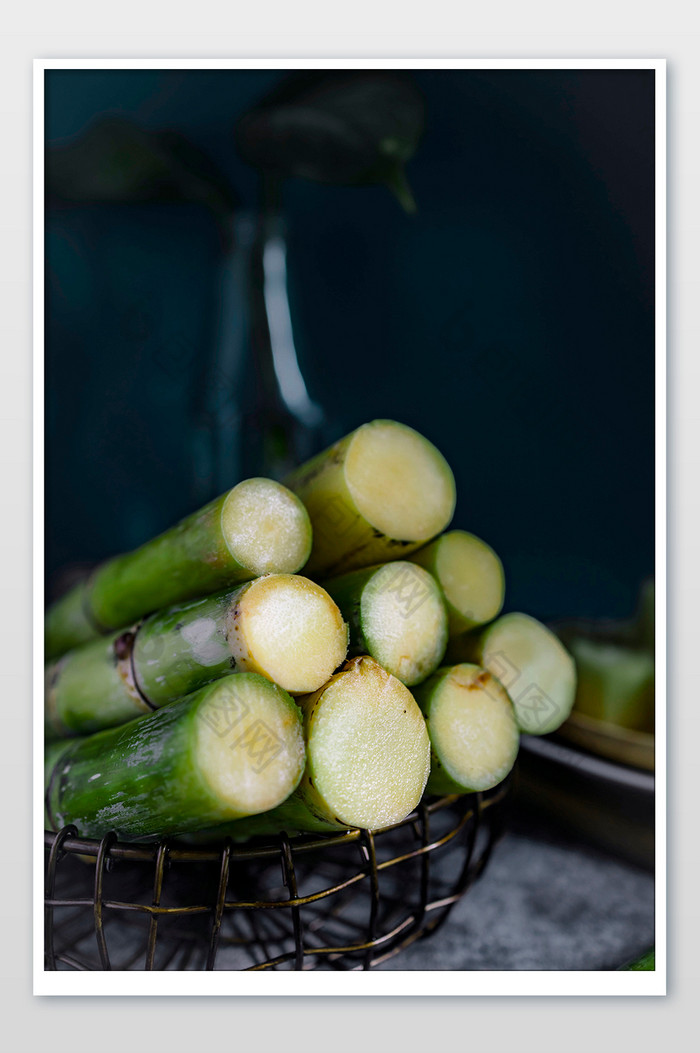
x: 67, y: 622
x: 122, y: 779
x: 167, y: 569
x: 343, y: 540
x: 322, y: 488
x: 296, y: 815
x: 304, y: 811
x: 92, y: 688
x: 439, y: 781
x: 190, y: 559
x: 140, y: 780
x: 179, y: 649
x: 347, y: 591
x: 114, y: 679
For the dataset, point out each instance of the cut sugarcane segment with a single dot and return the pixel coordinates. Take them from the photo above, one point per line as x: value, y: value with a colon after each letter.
x: 376, y: 495
x: 233, y: 749
x: 368, y: 748
x: 282, y: 626
x: 91, y: 688
x: 368, y: 758
x: 531, y: 663
x: 264, y: 529
x: 470, y: 575
x: 646, y: 616
x: 474, y: 735
x: 256, y: 528
x: 290, y: 630
x: 397, y: 615
x: 615, y: 683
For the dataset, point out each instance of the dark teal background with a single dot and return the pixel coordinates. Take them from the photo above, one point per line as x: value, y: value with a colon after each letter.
x: 511, y: 320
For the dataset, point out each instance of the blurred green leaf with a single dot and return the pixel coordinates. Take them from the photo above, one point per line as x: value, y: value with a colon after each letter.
x: 354, y: 128
x: 115, y: 160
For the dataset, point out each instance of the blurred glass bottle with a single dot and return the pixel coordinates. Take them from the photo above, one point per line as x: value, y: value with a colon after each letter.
x: 257, y: 416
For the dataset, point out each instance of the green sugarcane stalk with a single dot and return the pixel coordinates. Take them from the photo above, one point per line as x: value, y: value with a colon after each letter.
x: 367, y: 759
x: 397, y: 615
x: 474, y: 735
x: 376, y: 495
x: 233, y: 749
x: 256, y: 528
x: 470, y: 575
x: 615, y: 683
x: 645, y: 618
x: 645, y: 963
x: 283, y: 626
x: 530, y: 662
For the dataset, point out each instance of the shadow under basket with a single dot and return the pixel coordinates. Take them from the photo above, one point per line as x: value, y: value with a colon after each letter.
x: 308, y: 902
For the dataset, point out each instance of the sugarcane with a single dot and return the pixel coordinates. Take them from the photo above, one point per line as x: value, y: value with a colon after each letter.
x: 374, y: 496
x: 396, y: 614
x: 283, y: 626
x: 470, y: 575
x: 367, y: 759
x: 615, y: 683
x: 645, y: 616
x: 530, y: 662
x: 258, y: 527
x: 474, y: 736
x: 232, y: 749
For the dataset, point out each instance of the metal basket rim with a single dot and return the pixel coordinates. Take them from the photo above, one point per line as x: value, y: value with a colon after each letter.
x: 71, y: 842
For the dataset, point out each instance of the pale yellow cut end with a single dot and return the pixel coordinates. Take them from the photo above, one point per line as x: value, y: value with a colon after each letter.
x: 471, y: 576
x: 535, y: 668
x: 400, y: 483
x: 266, y: 527
x: 404, y: 621
x: 290, y: 630
x: 473, y: 728
x: 250, y: 745
x: 368, y: 748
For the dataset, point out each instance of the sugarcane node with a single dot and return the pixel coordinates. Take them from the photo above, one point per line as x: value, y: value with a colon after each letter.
x: 54, y: 673
x: 257, y: 527
x: 123, y: 645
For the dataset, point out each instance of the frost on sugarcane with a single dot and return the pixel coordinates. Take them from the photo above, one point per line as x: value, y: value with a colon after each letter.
x: 397, y: 615
x: 470, y: 575
x: 376, y: 495
x: 258, y: 527
x: 283, y: 626
x: 474, y: 735
x: 368, y: 758
x: 530, y: 662
x: 233, y: 749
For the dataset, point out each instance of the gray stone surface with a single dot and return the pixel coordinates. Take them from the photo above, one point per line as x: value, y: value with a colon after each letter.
x: 543, y: 904
x: 545, y: 901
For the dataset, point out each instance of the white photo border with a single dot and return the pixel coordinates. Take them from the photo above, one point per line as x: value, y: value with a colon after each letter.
x: 314, y: 983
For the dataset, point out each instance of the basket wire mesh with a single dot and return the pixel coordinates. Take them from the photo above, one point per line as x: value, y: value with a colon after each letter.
x: 342, y: 902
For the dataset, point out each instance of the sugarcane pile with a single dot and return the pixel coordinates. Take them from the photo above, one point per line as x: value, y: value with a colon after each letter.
x: 202, y: 686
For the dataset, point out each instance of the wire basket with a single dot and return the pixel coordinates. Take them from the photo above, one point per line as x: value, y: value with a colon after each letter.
x: 342, y: 902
